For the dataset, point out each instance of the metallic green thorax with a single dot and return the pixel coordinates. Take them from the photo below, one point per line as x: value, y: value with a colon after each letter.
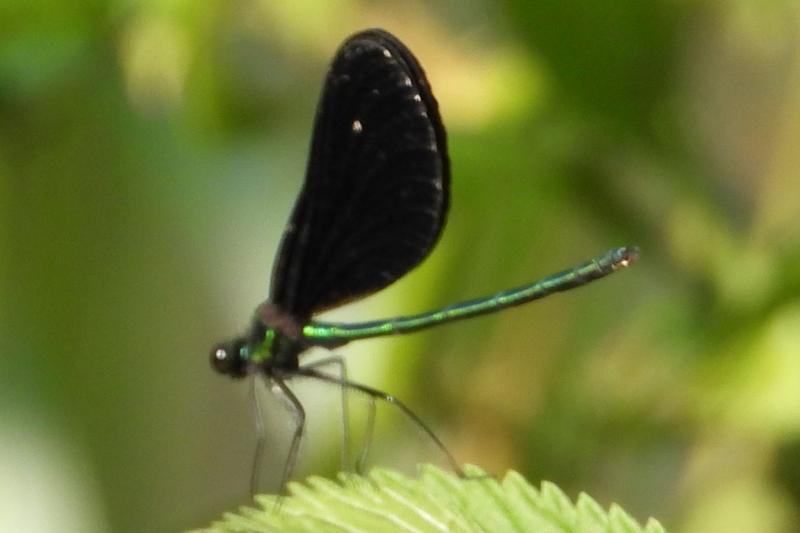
x: 321, y: 333
x: 273, y: 348
x: 259, y: 353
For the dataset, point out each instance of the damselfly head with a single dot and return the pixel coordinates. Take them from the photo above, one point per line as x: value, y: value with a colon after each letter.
x: 230, y: 357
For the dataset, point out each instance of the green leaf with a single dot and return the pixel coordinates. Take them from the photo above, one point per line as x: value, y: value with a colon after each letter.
x: 436, y: 501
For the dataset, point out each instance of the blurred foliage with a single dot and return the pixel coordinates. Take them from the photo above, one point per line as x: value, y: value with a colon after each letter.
x: 150, y: 153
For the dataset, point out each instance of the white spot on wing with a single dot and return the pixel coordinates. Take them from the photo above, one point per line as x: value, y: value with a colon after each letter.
x: 417, y: 98
x: 357, y: 126
x: 386, y: 53
x: 407, y: 81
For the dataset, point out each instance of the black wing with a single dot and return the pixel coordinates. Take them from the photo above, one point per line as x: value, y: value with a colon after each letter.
x: 376, y: 191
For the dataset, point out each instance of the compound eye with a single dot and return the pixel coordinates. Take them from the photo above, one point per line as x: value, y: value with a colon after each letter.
x: 227, y: 358
x: 220, y: 358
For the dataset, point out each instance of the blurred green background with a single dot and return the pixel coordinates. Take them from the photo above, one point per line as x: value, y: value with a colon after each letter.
x: 150, y: 153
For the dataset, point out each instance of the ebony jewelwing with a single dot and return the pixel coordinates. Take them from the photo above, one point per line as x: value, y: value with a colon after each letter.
x: 372, y: 206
